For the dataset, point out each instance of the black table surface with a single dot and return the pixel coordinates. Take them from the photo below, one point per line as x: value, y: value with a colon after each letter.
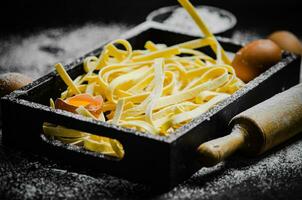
x: 23, y: 175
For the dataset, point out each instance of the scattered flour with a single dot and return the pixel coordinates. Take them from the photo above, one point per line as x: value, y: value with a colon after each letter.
x: 216, y: 21
x: 276, y: 175
x: 36, y: 54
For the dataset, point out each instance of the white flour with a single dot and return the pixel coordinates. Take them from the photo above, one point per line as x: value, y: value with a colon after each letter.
x: 216, y: 22
x: 35, y: 55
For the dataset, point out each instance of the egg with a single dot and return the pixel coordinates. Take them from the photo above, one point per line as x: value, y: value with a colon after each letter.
x: 256, y: 57
x: 12, y: 81
x: 287, y: 41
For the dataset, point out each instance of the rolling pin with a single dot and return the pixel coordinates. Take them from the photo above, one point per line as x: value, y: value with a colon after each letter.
x: 259, y: 128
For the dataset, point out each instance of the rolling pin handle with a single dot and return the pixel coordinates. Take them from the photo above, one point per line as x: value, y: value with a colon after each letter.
x: 217, y: 150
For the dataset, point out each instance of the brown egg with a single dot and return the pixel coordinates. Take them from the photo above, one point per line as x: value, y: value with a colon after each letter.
x: 12, y: 81
x: 254, y: 58
x: 287, y: 41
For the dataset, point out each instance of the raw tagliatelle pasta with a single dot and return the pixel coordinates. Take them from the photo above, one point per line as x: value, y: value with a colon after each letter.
x: 154, y: 90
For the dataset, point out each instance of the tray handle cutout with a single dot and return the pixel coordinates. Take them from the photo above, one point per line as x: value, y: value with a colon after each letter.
x: 83, y: 140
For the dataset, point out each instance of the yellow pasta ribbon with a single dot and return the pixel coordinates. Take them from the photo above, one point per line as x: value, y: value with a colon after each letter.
x: 201, y: 25
x: 154, y: 90
x: 61, y: 71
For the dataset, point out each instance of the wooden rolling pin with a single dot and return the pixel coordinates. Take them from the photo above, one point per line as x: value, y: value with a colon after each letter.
x: 259, y: 128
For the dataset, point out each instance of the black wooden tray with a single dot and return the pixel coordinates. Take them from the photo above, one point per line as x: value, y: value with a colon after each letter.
x: 160, y: 161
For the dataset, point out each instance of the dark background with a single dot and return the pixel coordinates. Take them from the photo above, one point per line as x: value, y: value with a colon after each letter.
x: 30, y: 41
x: 24, y: 16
